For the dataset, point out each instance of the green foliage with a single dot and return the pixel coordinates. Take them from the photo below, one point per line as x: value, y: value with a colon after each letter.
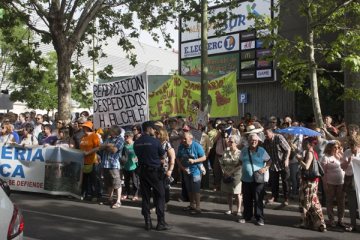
x: 35, y: 84
x: 336, y: 40
x: 73, y: 26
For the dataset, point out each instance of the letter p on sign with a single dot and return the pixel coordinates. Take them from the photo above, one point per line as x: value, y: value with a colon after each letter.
x: 243, y: 98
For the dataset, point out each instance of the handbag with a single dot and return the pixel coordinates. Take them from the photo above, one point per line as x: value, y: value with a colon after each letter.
x: 257, y: 176
x: 229, y: 179
x: 315, y: 170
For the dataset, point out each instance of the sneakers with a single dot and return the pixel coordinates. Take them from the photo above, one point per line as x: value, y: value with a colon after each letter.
x: 227, y: 212
x: 286, y: 202
x: 163, y: 227
x: 260, y: 222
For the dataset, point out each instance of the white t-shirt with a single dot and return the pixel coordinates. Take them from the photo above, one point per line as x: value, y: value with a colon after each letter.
x: 348, y: 154
x: 333, y: 172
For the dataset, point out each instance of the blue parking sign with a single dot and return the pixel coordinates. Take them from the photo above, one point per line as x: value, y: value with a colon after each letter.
x: 243, y: 98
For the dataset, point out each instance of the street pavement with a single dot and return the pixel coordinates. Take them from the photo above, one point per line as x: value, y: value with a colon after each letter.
x: 54, y: 218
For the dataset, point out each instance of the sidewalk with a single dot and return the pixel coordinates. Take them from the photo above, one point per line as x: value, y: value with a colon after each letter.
x: 220, y: 198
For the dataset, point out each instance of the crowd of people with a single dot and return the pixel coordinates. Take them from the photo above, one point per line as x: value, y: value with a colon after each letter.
x: 244, y: 159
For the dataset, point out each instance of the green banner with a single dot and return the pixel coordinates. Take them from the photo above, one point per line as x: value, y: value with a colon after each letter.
x: 181, y: 97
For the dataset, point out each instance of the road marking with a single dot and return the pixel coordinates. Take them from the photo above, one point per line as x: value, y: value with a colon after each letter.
x: 112, y: 224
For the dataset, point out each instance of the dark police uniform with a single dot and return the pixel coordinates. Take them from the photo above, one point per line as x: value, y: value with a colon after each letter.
x: 149, y: 153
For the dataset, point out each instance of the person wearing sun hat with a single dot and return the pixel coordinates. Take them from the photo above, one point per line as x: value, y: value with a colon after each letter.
x: 89, y: 144
x: 252, y: 129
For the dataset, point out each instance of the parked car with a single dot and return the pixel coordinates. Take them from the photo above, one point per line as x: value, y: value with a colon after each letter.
x: 11, y: 220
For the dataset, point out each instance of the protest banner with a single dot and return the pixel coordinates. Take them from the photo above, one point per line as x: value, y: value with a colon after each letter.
x: 355, y: 163
x: 124, y: 102
x: 181, y: 97
x: 52, y: 170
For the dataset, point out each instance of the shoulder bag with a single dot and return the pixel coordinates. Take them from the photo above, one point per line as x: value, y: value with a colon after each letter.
x: 315, y: 170
x: 257, y: 176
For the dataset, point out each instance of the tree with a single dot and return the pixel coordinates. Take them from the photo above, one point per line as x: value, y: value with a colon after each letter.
x: 303, y: 60
x: 69, y: 25
x: 35, y: 84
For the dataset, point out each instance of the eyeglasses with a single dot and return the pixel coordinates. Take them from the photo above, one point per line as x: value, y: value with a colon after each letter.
x: 126, y: 136
x: 336, y: 147
x: 59, y: 122
x: 38, y: 118
x: 134, y: 129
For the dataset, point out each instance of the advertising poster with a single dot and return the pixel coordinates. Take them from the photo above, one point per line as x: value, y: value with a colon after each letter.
x: 217, y: 65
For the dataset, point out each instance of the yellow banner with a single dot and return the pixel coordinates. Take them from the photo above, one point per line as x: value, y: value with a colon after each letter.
x: 181, y: 97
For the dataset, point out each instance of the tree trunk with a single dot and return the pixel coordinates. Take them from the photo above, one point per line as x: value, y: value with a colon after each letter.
x: 313, y: 75
x: 204, y: 56
x: 64, y: 85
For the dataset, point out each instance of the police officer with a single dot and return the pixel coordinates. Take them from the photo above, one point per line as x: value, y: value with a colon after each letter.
x: 150, y: 153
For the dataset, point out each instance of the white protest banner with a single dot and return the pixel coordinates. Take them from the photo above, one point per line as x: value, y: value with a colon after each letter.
x: 355, y: 163
x: 53, y: 170
x: 124, y: 102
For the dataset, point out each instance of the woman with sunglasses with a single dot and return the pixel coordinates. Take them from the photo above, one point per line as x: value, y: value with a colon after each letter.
x: 6, y: 134
x: 333, y: 181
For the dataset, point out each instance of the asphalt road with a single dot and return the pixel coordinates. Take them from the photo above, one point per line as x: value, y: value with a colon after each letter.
x: 57, y: 218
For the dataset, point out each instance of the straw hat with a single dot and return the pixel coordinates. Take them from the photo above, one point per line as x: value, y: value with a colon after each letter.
x: 252, y: 129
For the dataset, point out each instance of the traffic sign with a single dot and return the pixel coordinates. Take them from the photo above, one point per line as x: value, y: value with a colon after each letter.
x: 243, y: 98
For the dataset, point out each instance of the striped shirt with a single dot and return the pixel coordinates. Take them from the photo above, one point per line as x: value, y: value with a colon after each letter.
x: 277, y: 148
x: 109, y: 159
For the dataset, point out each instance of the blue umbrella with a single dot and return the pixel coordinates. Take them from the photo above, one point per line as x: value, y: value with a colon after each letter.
x: 299, y: 130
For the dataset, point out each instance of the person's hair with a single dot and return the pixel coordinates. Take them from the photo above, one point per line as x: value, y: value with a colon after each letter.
x: 309, y: 140
x: 235, y: 139
x: 29, y: 128
x: 162, y: 135
x: 354, y: 126
x: 7, y: 127
x: 188, y: 133
x: 330, y: 145
x: 268, y: 128
x: 129, y: 133
x: 48, y: 126
x: 212, y: 123
x: 66, y: 132
x: 85, y: 113
x: 147, y: 124
x: 116, y: 129
x: 354, y: 141
x: 137, y: 127
x: 254, y: 135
